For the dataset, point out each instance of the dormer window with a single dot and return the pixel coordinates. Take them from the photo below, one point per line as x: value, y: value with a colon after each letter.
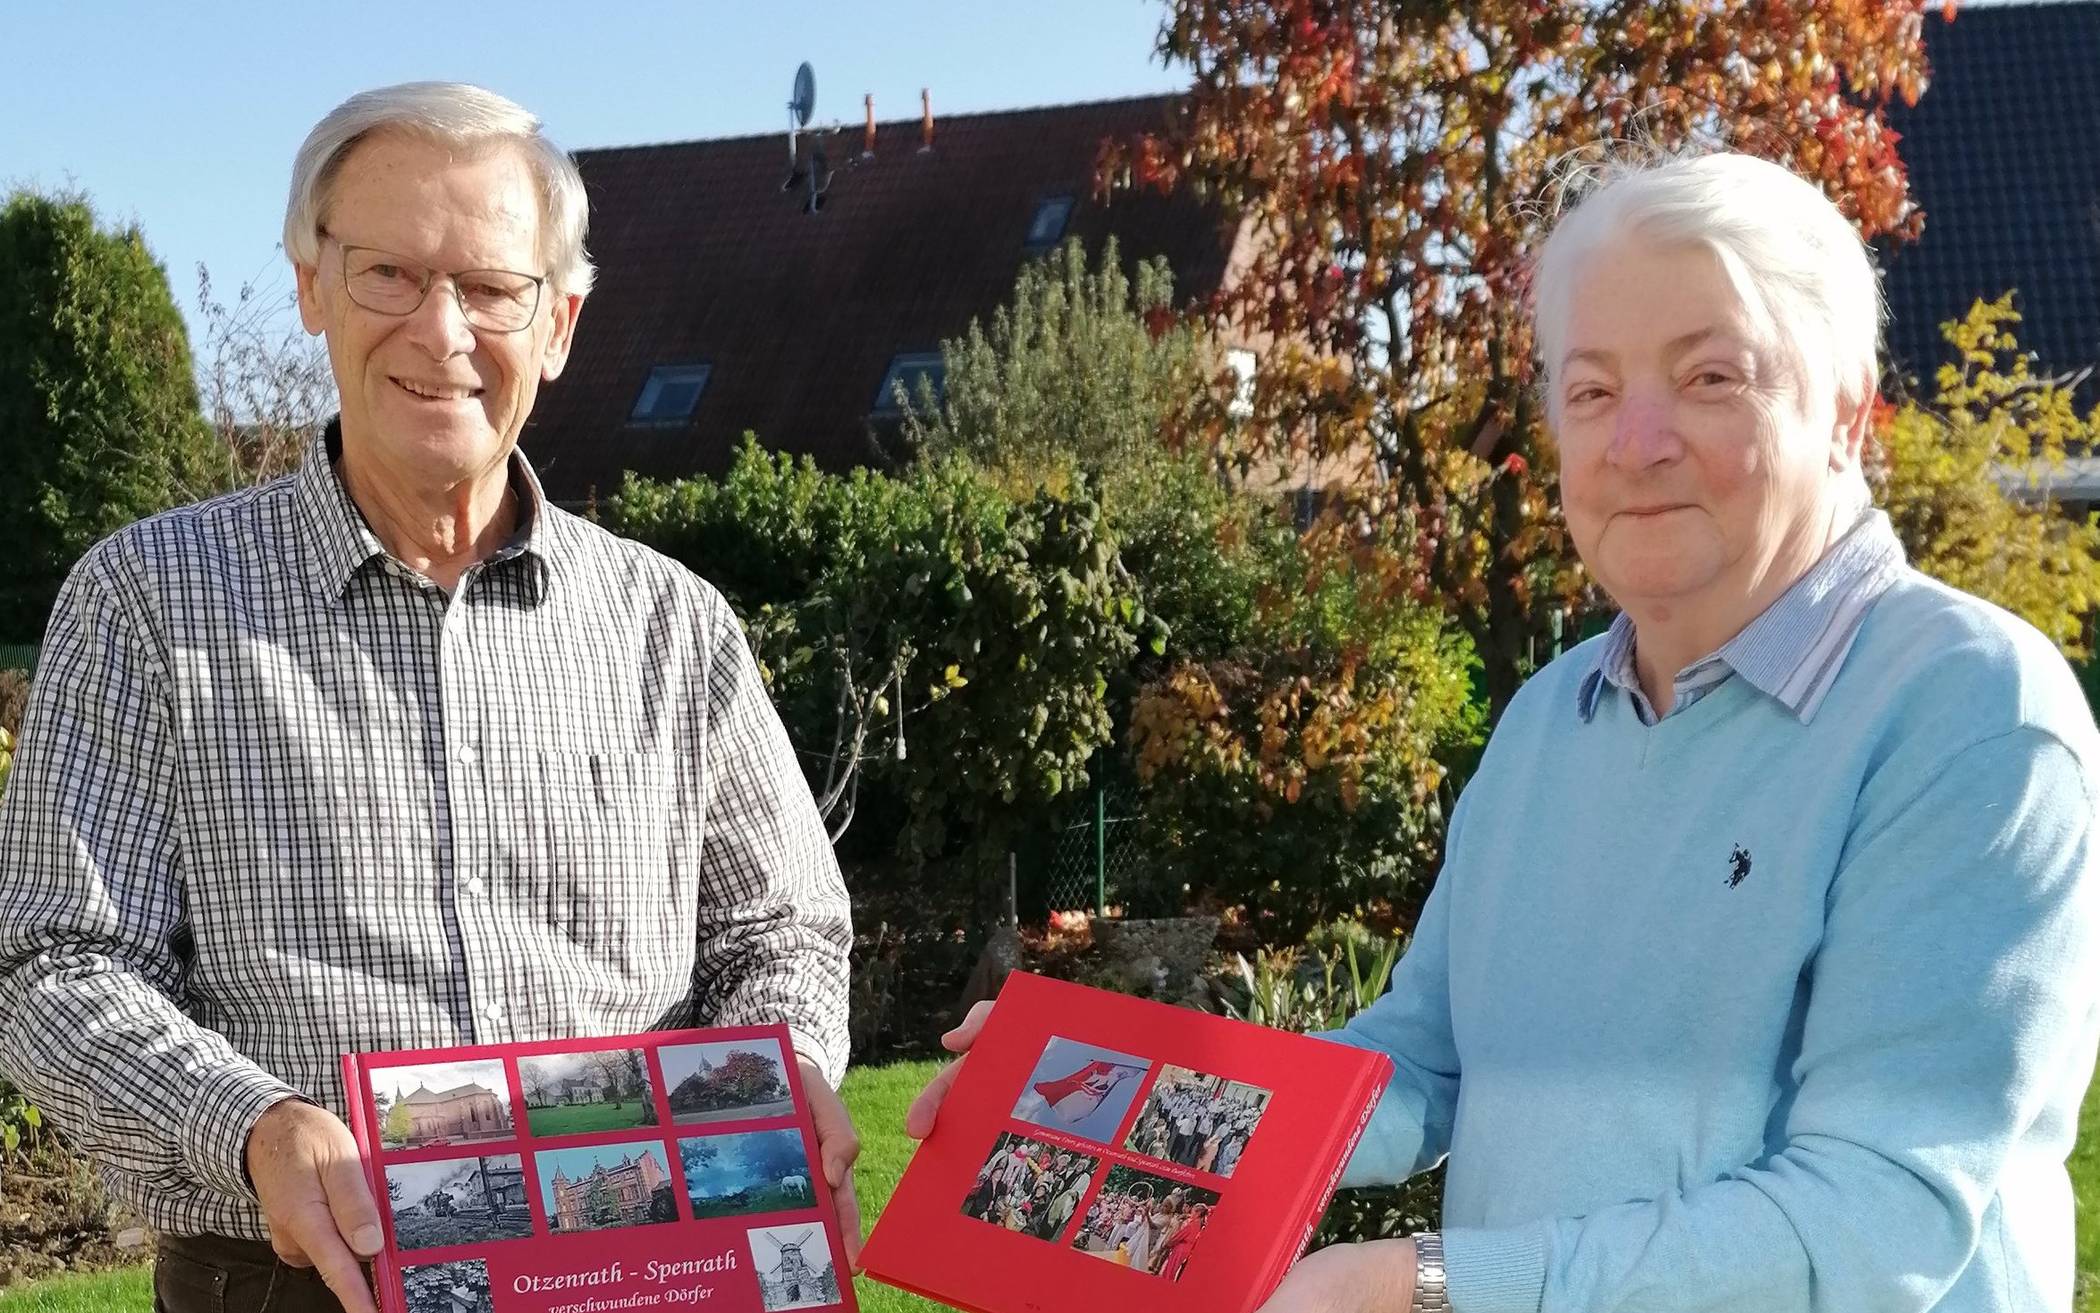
x: 669, y: 394
x: 1048, y: 225
x: 905, y: 371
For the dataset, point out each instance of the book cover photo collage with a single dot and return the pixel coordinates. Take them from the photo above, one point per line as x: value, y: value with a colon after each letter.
x: 482, y: 1152
x: 1130, y: 1162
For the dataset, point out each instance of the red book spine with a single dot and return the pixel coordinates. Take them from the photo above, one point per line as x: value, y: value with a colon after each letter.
x: 1323, y: 1193
x: 361, y: 1131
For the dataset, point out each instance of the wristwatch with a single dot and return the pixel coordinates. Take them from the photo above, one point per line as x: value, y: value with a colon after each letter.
x: 1429, y: 1275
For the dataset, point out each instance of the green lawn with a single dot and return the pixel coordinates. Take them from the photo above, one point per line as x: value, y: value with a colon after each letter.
x: 582, y: 1118
x: 2085, y: 1183
x: 878, y: 1097
x: 766, y: 1199
x: 108, y: 1292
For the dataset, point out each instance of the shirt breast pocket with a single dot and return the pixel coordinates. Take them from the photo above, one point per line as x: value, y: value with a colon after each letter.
x: 585, y: 840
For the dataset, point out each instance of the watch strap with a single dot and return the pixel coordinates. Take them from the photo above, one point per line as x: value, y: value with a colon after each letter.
x: 1430, y: 1295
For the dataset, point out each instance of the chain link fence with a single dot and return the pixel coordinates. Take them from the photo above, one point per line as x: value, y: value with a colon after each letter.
x: 1081, y: 862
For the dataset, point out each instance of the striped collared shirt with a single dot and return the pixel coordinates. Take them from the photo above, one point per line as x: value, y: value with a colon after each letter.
x: 280, y: 797
x: 1791, y: 652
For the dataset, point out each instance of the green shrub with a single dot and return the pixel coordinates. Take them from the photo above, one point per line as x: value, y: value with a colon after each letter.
x: 1968, y: 480
x: 1304, y: 774
x: 21, y: 1122
x: 14, y: 701
x: 931, y: 634
x: 1077, y: 373
x: 98, y: 405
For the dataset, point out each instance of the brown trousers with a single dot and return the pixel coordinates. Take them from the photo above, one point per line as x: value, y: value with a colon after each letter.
x: 215, y: 1274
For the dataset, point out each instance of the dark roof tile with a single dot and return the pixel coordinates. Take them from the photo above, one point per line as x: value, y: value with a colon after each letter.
x: 2004, y: 156
x: 703, y: 258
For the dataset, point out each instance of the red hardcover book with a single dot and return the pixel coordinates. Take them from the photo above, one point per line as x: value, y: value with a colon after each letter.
x: 1103, y: 1152
x: 643, y: 1171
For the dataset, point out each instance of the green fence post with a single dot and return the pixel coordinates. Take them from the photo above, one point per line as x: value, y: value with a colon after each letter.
x: 1100, y: 850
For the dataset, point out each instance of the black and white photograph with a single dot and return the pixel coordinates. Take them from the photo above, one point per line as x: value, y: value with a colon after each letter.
x: 726, y: 1080
x: 458, y: 1287
x: 458, y: 1201
x: 1197, y: 1120
x: 794, y: 1266
x: 1145, y: 1222
x: 444, y: 1103
x: 577, y: 1093
x: 1030, y: 1187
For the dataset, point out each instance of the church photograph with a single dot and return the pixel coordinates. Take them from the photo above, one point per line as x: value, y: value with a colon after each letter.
x: 448, y: 1103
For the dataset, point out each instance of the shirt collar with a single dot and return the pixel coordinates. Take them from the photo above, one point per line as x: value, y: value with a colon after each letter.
x: 1793, y: 650
x: 339, y: 542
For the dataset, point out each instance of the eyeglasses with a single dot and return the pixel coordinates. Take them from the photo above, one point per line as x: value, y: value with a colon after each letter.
x: 494, y: 300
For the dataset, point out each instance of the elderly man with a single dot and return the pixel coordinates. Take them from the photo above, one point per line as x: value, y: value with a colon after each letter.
x: 391, y: 753
x: 1763, y: 971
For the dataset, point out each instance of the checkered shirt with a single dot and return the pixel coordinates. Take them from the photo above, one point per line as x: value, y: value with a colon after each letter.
x: 279, y: 797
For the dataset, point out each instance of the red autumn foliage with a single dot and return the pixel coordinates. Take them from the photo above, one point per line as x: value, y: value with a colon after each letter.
x: 1396, y: 163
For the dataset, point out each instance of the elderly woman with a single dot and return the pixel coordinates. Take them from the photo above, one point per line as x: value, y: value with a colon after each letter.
x: 1761, y: 973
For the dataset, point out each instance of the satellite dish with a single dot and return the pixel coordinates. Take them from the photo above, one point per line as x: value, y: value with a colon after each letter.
x: 804, y: 100
x: 816, y: 172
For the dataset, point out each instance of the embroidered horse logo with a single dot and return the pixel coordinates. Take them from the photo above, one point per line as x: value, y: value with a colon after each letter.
x: 1738, y: 865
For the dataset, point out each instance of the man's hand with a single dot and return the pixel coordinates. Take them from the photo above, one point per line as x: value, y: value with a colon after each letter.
x: 838, y: 1146
x: 924, y: 1110
x: 304, y: 1165
x: 1377, y: 1276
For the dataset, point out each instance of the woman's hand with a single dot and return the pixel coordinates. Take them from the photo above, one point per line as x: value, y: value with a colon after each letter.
x: 1377, y: 1276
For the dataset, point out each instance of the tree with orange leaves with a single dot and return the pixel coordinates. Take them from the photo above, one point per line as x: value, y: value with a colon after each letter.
x: 1394, y: 162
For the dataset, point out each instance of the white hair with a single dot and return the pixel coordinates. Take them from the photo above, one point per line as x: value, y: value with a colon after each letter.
x: 1793, y: 258
x: 466, y: 118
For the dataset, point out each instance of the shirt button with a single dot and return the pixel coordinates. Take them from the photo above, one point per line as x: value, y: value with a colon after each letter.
x: 476, y: 885
x: 465, y: 757
x: 494, y: 1012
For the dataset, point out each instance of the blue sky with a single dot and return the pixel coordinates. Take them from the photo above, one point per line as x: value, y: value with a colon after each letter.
x: 185, y: 118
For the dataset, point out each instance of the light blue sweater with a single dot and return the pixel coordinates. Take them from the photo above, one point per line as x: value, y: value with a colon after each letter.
x: 1734, y: 1012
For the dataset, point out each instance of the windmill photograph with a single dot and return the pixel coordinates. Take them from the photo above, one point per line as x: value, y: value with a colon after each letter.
x: 794, y: 1267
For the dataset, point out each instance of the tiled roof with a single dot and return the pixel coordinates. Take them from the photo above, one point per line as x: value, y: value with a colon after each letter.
x: 424, y: 1094
x: 704, y: 259
x: 2004, y: 157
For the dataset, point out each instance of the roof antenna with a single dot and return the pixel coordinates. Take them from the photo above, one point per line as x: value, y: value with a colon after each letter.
x: 801, y: 103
